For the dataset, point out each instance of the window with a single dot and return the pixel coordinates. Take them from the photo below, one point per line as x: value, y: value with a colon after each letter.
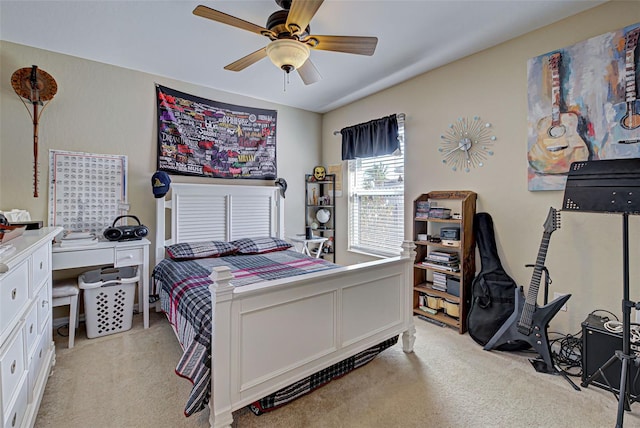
x: 376, y: 202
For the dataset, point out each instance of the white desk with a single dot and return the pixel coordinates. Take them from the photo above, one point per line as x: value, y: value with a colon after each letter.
x: 118, y: 254
x: 305, y: 244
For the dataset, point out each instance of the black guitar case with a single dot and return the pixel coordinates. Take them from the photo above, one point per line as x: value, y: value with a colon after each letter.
x: 493, y: 291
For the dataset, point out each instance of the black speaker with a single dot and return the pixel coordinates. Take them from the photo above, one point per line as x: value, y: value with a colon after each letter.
x: 126, y: 233
x: 598, y: 345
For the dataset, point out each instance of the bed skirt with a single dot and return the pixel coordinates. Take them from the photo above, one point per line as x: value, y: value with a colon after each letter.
x: 318, y: 379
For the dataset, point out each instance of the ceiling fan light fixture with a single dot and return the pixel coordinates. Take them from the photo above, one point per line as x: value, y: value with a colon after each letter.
x: 288, y: 54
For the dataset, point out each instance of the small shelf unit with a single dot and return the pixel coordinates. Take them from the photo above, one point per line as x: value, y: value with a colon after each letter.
x: 462, y: 202
x: 321, y: 195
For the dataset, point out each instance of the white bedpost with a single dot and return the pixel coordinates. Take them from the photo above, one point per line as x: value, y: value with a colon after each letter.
x: 160, y: 238
x: 220, y: 405
x: 279, y: 201
x: 409, y: 335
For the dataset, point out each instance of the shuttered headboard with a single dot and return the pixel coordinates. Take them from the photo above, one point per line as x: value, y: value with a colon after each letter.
x: 210, y: 212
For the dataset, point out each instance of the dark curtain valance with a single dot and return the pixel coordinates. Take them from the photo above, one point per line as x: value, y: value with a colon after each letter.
x: 377, y: 137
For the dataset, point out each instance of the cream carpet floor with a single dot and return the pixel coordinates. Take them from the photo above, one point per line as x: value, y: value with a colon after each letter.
x: 128, y: 380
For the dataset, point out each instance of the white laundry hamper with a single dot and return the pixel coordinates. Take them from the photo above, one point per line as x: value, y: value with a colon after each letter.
x: 108, y: 299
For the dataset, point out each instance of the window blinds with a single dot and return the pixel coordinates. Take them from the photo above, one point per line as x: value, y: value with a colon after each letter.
x: 376, y: 202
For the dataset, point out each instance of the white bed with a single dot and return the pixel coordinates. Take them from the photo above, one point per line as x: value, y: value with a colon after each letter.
x: 330, y: 315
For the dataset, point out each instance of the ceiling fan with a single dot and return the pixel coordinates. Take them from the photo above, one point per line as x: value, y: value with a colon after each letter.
x: 291, y: 41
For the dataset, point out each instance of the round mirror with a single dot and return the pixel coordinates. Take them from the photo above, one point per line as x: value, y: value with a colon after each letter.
x: 323, y: 215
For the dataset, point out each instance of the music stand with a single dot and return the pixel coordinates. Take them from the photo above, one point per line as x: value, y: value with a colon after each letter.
x: 610, y: 186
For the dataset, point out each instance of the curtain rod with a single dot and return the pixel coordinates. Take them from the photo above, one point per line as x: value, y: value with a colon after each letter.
x: 401, y: 116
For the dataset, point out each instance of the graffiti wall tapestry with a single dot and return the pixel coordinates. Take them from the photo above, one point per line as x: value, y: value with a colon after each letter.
x: 211, y: 139
x: 583, y: 105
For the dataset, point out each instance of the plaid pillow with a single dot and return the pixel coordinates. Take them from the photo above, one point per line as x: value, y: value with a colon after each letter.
x: 266, y: 244
x: 199, y: 250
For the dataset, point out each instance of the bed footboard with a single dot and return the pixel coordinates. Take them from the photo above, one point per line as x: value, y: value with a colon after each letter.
x: 267, y: 336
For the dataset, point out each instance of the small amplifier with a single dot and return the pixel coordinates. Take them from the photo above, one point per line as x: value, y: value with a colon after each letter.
x: 126, y: 233
x: 598, y: 346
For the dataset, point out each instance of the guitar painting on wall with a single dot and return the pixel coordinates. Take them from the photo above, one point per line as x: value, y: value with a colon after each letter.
x: 558, y: 142
x: 583, y: 105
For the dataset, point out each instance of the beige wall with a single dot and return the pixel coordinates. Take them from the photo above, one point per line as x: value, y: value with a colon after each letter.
x: 585, y: 255
x: 105, y: 109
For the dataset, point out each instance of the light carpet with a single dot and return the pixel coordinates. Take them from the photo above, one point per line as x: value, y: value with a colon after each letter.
x: 128, y: 380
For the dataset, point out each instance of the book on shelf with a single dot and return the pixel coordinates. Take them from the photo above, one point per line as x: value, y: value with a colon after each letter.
x: 454, y: 268
x: 444, y: 259
x: 442, y: 253
x: 440, y: 278
x: 443, y: 263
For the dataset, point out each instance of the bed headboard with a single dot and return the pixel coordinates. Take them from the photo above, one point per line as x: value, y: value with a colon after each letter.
x: 212, y: 212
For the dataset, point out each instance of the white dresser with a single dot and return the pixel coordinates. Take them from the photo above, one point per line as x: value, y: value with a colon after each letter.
x: 27, y: 350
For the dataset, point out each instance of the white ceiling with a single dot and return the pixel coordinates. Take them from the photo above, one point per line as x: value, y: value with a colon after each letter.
x: 166, y: 39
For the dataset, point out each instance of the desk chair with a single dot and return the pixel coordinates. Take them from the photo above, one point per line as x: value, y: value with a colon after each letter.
x: 65, y: 292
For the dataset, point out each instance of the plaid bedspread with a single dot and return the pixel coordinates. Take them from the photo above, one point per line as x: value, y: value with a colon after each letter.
x: 185, y: 298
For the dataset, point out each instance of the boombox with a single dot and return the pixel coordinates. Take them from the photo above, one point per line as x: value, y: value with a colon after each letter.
x: 126, y: 233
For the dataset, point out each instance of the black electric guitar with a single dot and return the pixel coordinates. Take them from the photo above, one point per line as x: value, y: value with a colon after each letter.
x: 529, y: 322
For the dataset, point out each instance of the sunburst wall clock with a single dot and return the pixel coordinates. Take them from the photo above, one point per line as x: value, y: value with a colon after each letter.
x: 466, y: 144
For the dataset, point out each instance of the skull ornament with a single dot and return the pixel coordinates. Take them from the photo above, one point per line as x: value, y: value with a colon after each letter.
x: 319, y: 173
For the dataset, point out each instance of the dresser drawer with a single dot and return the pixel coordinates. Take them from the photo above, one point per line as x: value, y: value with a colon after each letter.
x: 31, y: 330
x: 43, y: 306
x: 12, y: 367
x: 129, y: 257
x: 14, y: 294
x: 18, y: 409
x: 39, y: 267
x: 37, y: 360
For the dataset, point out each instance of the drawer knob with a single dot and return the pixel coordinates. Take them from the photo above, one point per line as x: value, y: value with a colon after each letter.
x: 14, y: 293
x: 40, y: 265
x: 129, y: 256
x: 40, y: 354
x: 31, y: 329
x: 13, y: 367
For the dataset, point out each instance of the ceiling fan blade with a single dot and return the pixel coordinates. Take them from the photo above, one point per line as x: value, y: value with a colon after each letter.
x: 347, y: 44
x: 248, y: 60
x: 207, y: 12
x: 301, y: 12
x: 309, y: 73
